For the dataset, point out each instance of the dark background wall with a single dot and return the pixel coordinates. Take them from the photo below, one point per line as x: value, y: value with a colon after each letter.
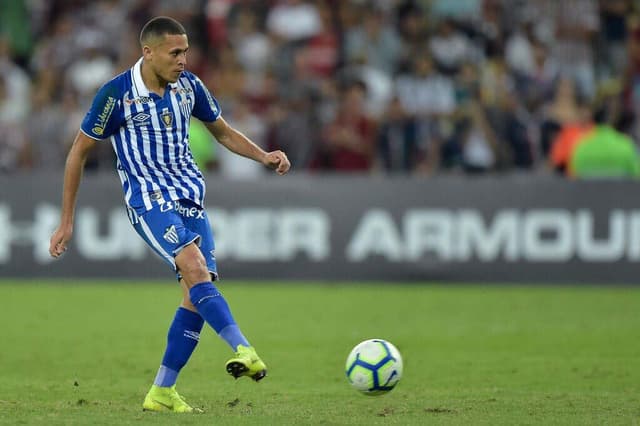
x: 494, y: 229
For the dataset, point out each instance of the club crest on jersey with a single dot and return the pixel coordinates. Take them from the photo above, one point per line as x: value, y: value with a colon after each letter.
x: 167, y: 117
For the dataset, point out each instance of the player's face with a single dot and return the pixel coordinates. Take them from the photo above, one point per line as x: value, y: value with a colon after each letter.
x: 168, y: 57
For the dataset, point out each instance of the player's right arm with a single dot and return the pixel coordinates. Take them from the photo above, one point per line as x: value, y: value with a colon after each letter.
x: 74, y: 167
x: 101, y: 121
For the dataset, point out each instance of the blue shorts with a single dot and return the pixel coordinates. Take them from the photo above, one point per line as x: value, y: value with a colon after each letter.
x: 169, y: 227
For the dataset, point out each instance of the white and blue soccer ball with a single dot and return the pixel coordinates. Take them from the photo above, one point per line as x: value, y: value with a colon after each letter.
x: 374, y: 367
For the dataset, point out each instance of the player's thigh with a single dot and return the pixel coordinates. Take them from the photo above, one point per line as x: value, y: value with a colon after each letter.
x: 191, y: 265
x: 199, y: 224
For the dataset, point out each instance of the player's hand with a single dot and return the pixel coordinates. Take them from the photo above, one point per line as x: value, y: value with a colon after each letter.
x: 278, y: 161
x: 59, y: 239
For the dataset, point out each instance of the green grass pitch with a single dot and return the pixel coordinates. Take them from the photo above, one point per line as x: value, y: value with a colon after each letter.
x: 82, y: 352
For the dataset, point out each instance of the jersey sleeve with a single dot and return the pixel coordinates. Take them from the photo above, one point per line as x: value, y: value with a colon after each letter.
x: 206, y: 107
x: 104, y: 117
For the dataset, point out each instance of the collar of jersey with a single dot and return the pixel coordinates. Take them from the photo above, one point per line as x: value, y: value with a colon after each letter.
x: 138, y: 83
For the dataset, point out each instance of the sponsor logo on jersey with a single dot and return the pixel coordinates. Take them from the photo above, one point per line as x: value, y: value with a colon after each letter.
x: 141, y: 119
x: 140, y: 100
x: 103, y: 118
x: 182, y: 90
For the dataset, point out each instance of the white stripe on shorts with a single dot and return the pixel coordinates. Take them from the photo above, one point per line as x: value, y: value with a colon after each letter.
x: 154, y: 242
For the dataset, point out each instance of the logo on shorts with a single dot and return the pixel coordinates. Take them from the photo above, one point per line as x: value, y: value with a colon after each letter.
x: 187, y: 211
x: 171, y: 235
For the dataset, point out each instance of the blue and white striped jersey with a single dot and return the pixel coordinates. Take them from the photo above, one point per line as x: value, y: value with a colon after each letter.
x: 150, y: 136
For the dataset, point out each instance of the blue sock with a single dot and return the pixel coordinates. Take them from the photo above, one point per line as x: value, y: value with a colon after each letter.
x: 215, y: 310
x: 182, y: 339
x: 233, y: 336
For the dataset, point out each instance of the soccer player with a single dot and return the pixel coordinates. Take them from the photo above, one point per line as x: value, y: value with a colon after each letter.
x: 145, y: 113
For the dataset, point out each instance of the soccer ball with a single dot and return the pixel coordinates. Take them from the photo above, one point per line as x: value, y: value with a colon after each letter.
x: 374, y: 367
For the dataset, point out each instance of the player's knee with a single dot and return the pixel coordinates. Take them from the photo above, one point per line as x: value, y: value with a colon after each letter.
x: 194, y: 273
x: 192, y: 266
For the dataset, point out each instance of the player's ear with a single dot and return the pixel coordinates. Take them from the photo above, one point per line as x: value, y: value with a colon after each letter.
x: 146, y: 51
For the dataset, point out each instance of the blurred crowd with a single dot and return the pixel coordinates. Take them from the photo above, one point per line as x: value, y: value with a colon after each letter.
x: 418, y: 87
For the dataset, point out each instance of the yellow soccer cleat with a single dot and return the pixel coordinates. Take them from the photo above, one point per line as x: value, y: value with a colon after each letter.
x: 166, y: 399
x: 246, y: 362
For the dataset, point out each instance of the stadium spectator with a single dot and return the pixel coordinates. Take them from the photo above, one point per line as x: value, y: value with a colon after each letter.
x: 449, y: 47
x: 570, y: 28
x: 323, y: 48
x: 565, y: 108
x: 374, y: 41
x: 54, y: 123
x: 202, y: 146
x: 459, y: 11
x: 430, y: 99
x: 15, y: 100
x: 565, y: 143
x: 17, y: 87
x: 605, y: 153
x: 252, y: 46
x: 631, y: 76
x: 293, y: 20
x: 217, y: 14
x: 513, y: 51
x: 398, y: 149
x: 13, y: 143
x: 612, y: 43
x: 92, y: 67
x: 519, y: 50
x: 474, y: 146
x: 349, y: 140
x: 226, y: 77
x: 535, y: 85
x: 255, y: 128
x: 294, y: 128
x: 15, y: 22
x: 505, y: 112
x: 413, y: 31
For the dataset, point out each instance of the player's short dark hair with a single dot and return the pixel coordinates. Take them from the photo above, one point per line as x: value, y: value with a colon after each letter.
x: 160, y: 26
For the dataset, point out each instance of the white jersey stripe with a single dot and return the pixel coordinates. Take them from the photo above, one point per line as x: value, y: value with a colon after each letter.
x: 136, y: 140
x: 125, y: 147
x: 154, y: 243
x: 183, y: 132
x: 157, y: 149
x: 186, y: 184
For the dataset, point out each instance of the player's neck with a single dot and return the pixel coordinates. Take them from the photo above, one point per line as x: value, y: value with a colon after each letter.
x: 153, y: 82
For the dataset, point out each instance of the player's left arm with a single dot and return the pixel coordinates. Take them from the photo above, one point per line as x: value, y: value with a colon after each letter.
x: 236, y: 142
